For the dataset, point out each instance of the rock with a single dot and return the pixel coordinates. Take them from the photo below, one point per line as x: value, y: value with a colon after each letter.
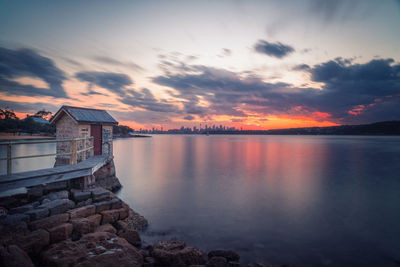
x: 37, y: 214
x: 106, y: 228
x: 3, y: 213
x: 176, y: 253
x: 46, y: 200
x: 60, y: 232
x: 49, y: 222
x: 230, y: 255
x: 136, y: 221
x: 116, y: 203
x: 132, y: 236
x: 82, y: 226
x: 100, y: 194
x: 15, y: 219
x: 35, y: 192
x: 217, y: 261
x: 96, y: 249
x: 58, y: 195
x: 56, y: 186
x: 11, y: 232
x: 13, y: 256
x: 82, y: 212
x: 57, y: 206
x: 84, y: 203
x: 21, y: 209
x: 234, y: 264
x: 35, y: 241
x: 109, y: 216
x: 123, y: 213
x: 79, y: 196
x: 102, y: 206
x: 96, y: 219
x: 120, y: 225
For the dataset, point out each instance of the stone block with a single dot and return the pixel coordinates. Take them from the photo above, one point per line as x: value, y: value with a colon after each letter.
x: 49, y: 222
x: 13, y: 219
x: 110, y: 216
x: 106, y: 228
x: 123, y: 213
x: 120, y: 225
x: 82, y: 211
x: 79, y: 196
x: 60, y: 232
x: 132, y: 236
x: 64, y: 194
x: 35, y: 192
x: 13, y: 256
x: 116, y: 204
x: 102, y: 206
x: 84, y: 203
x: 100, y: 194
x: 82, y: 226
x: 57, y: 206
x: 20, y: 209
x: 37, y: 214
x: 96, y: 219
x: 56, y: 186
x: 35, y: 241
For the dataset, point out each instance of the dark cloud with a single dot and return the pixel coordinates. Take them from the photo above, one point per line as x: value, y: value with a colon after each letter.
x: 114, y: 82
x: 145, y: 99
x: 301, y: 67
x: 28, y: 107
x: 351, y: 93
x: 112, y: 61
x: 28, y: 63
x: 277, y: 49
x: 188, y: 117
x: 225, y: 52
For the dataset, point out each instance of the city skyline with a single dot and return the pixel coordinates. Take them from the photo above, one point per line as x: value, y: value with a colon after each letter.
x: 245, y: 64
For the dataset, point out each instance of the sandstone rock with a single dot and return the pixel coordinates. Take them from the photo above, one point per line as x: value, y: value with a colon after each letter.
x: 116, y: 203
x: 13, y: 256
x: 132, y: 236
x: 102, y: 206
x: 35, y: 192
x: 234, y: 264
x: 96, y: 219
x: 56, y: 186
x: 109, y: 216
x: 106, y: 228
x: 230, y: 255
x: 21, y: 209
x: 176, y: 253
x: 58, y: 195
x: 60, y: 232
x: 121, y: 225
x: 57, y: 206
x: 96, y: 249
x: 14, y: 219
x: 37, y: 214
x: 11, y: 232
x: 123, y: 213
x: 100, y: 194
x: 34, y: 242
x: 79, y: 196
x: 136, y: 221
x: 82, y: 212
x: 87, y: 202
x: 82, y: 226
x: 49, y: 222
x: 217, y: 261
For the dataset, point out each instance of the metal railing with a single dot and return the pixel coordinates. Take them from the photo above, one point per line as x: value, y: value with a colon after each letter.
x: 73, y: 155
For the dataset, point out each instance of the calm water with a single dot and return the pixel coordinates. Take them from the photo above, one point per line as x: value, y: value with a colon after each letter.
x: 301, y: 200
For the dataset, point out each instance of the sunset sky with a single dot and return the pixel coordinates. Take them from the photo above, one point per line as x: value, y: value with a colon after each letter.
x: 251, y: 64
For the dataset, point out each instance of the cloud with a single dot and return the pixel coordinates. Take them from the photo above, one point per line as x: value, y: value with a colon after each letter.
x: 374, y: 85
x: 225, y: 52
x: 189, y: 117
x: 301, y: 67
x: 27, y: 107
x: 277, y: 50
x: 28, y: 63
x: 112, y: 61
x: 114, y: 82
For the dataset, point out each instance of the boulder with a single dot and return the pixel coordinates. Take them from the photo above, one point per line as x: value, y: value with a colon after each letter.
x: 3, y: 213
x: 84, y: 203
x: 100, y: 194
x: 56, y: 186
x: 120, y: 225
x: 57, y: 206
x: 79, y: 196
x: 116, y: 203
x: 60, y: 232
x: 58, y: 195
x: 176, y: 253
x: 109, y: 216
x: 106, y: 228
x: 217, y: 261
x: 49, y: 222
x: 123, y: 213
x: 96, y: 249
x: 15, y: 219
x: 82, y: 226
x: 34, y: 242
x: 132, y: 236
x: 82, y: 211
x: 21, y: 209
x: 96, y: 219
x: 36, y: 214
x: 135, y: 220
x: 102, y: 206
x: 13, y: 256
x: 229, y: 255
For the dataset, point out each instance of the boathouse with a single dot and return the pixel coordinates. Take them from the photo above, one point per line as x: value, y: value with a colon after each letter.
x: 77, y: 122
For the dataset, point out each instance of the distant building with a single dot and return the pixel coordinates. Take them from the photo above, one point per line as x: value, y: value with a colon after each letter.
x: 74, y: 122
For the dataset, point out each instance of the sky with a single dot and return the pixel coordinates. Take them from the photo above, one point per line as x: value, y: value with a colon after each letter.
x: 244, y: 64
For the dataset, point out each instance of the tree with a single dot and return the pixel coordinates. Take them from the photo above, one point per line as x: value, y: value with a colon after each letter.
x: 7, y: 114
x: 43, y: 114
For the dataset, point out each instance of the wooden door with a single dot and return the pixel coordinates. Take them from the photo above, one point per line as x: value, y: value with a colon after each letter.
x: 96, y: 131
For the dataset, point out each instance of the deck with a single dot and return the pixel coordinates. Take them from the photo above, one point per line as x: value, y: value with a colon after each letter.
x: 51, y: 175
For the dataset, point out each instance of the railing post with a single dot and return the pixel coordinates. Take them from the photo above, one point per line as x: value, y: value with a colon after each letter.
x: 74, y: 156
x: 9, y: 170
x: 91, y: 145
x: 84, y: 149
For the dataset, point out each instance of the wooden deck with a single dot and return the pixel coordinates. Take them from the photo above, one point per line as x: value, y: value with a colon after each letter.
x: 51, y: 175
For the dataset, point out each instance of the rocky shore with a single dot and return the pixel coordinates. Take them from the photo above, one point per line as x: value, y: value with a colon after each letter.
x: 53, y: 225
